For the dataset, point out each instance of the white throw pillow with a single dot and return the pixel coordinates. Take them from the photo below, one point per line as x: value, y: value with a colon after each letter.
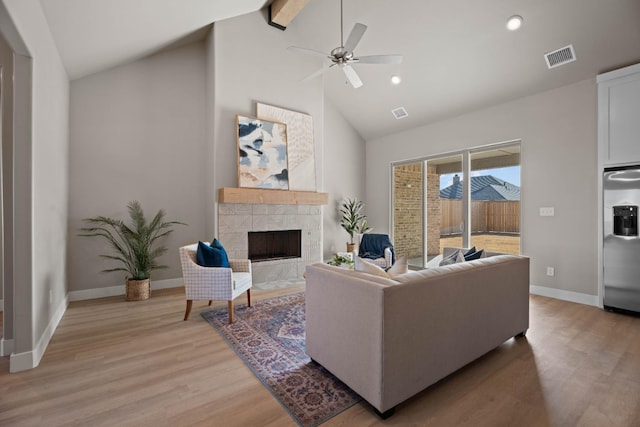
x: 367, y: 267
x: 401, y: 266
x: 453, y: 258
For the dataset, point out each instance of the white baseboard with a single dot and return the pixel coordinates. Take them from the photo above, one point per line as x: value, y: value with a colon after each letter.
x: 19, y: 362
x: 30, y: 359
x: 571, y: 296
x: 6, y: 347
x: 111, y: 291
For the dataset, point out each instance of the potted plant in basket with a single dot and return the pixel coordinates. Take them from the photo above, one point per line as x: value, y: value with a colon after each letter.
x: 134, y: 246
x: 353, y: 220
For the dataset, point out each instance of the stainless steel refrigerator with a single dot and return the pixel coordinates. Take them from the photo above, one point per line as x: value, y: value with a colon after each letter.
x: 621, y: 243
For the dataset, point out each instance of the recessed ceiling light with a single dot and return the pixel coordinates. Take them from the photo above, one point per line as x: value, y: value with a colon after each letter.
x: 514, y: 22
x: 396, y: 79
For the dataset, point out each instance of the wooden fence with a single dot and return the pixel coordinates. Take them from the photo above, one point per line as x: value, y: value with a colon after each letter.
x: 486, y: 216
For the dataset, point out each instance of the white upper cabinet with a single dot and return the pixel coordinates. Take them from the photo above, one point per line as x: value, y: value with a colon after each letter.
x: 619, y: 116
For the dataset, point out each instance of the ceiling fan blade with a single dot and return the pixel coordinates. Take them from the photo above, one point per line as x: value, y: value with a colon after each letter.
x: 296, y: 49
x: 354, y: 37
x: 379, y: 59
x: 352, y: 76
x: 315, y: 74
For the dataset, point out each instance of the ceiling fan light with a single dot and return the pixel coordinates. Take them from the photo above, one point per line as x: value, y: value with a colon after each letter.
x: 514, y: 22
x: 395, y: 79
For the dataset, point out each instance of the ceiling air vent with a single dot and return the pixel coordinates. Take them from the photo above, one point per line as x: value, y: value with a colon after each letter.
x: 399, y: 113
x: 560, y: 57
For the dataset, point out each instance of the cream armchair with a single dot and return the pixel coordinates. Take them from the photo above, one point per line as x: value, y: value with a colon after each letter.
x: 377, y: 249
x: 214, y: 283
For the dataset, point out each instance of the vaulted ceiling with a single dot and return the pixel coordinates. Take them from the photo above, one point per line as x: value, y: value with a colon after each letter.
x: 458, y: 55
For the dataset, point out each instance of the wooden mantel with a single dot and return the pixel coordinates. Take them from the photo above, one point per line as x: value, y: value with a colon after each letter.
x: 271, y: 197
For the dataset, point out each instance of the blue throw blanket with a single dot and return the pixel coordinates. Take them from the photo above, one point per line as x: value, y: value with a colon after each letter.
x: 372, y: 246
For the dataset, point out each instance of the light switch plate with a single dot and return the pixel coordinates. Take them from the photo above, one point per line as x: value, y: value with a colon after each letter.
x: 547, y: 212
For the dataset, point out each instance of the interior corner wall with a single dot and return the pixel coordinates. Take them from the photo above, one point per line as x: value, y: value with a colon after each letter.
x: 209, y: 196
x: 558, y: 130
x: 137, y: 133
x: 6, y: 192
x: 345, y: 153
x: 40, y: 182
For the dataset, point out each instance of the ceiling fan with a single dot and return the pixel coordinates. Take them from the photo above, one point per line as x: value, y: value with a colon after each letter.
x: 343, y: 55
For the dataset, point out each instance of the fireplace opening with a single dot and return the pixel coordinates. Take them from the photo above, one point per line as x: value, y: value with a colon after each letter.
x: 272, y: 245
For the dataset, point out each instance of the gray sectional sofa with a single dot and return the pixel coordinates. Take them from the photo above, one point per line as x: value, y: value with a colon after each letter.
x: 389, y: 339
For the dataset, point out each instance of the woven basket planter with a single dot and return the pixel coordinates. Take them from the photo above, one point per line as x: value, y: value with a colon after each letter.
x: 137, y: 290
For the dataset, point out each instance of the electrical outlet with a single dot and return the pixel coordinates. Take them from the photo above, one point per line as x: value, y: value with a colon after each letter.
x: 551, y: 271
x: 547, y: 211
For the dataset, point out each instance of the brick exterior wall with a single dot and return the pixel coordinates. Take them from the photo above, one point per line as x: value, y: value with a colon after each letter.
x: 407, y: 214
x: 434, y: 212
x: 408, y: 208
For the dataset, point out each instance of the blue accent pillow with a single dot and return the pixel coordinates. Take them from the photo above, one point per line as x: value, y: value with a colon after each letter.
x: 469, y: 252
x: 474, y: 255
x: 212, y: 255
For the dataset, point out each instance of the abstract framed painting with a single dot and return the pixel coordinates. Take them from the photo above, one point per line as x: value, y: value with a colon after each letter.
x: 300, y: 146
x: 262, y: 153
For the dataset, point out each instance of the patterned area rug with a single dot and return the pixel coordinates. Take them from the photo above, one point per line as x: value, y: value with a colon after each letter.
x: 270, y: 338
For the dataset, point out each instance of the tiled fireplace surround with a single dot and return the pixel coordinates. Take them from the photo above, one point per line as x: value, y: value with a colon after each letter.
x: 235, y: 220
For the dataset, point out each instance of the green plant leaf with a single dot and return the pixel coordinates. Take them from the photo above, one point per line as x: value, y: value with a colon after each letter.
x: 133, y: 245
x: 353, y: 220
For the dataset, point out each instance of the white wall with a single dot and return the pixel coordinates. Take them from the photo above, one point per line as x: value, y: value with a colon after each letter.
x: 177, y: 110
x: 41, y: 133
x: 6, y: 163
x: 250, y: 65
x: 6, y: 198
x: 138, y: 133
x: 559, y: 146
x: 345, y: 157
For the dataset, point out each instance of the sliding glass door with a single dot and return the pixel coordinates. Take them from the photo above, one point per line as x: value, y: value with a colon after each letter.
x: 435, y: 205
x: 446, y: 213
x: 495, y: 199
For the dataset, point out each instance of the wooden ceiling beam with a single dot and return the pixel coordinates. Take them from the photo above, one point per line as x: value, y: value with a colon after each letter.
x: 282, y: 12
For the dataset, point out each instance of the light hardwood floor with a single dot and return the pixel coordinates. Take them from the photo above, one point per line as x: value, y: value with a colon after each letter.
x: 117, y: 363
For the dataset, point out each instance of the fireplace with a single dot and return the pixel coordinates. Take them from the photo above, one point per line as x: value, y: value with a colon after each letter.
x: 274, y: 245
x: 237, y: 220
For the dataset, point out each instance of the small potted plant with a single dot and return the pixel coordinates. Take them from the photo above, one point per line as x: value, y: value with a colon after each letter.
x: 134, y: 246
x: 341, y: 261
x: 353, y: 220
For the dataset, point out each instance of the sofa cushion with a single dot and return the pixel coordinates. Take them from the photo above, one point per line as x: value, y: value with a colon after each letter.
x: 453, y: 258
x: 368, y: 267
x: 401, y: 266
x: 421, y: 275
x: 380, y: 280
x: 469, y: 252
x: 474, y: 255
x: 450, y: 259
x: 213, y: 255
